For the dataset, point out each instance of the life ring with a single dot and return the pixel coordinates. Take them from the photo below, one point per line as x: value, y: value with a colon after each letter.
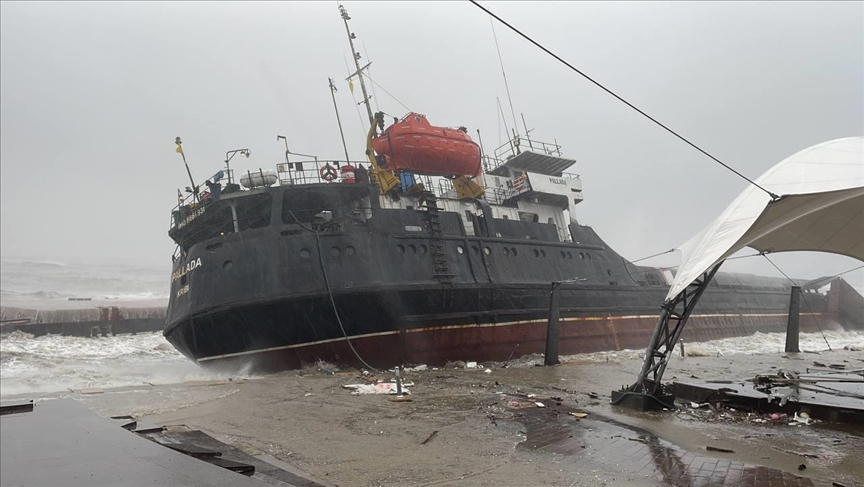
x: 328, y: 173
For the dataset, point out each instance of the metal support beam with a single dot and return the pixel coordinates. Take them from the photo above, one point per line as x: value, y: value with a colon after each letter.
x: 793, y: 326
x: 673, y: 316
x: 551, y: 355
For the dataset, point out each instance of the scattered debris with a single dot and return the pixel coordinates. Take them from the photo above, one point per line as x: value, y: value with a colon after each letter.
x: 579, y: 415
x: 640, y: 440
x: 805, y: 455
x: 593, y: 395
x: 488, y: 371
x: 802, y: 467
x: 402, y: 398
x: 471, y: 365
x: 800, y: 420
x: 417, y: 368
x: 696, y: 405
x: 92, y: 390
x: 308, y: 394
x: 379, y: 388
x: 539, y: 404
x: 716, y: 448
x: 430, y: 437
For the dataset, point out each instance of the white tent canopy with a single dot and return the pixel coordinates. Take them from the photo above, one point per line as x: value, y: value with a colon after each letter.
x: 821, y: 209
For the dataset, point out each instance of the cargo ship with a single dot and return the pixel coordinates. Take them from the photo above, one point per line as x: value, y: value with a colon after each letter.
x: 429, y: 251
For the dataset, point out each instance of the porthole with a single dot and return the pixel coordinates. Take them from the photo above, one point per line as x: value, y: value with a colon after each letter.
x: 569, y: 255
x: 400, y: 248
x: 536, y: 253
x: 487, y: 250
x: 183, y: 280
x: 304, y: 253
x: 505, y: 251
x: 349, y: 250
x: 587, y: 256
x: 460, y: 249
x: 563, y: 255
x: 227, y: 265
x: 212, y: 247
x: 475, y: 249
x: 412, y: 249
x: 581, y: 256
x: 335, y: 251
x: 513, y: 251
x: 423, y: 249
x: 542, y: 252
x: 609, y: 271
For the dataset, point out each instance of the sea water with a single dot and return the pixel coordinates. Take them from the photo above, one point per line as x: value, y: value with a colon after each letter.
x: 49, y: 284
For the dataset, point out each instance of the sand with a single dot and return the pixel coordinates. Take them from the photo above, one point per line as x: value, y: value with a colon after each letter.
x: 308, y: 420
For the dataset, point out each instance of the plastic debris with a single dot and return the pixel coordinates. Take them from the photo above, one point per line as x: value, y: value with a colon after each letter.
x: 416, y: 368
x: 539, y: 404
x: 488, y: 371
x: 578, y: 415
x: 379, y: 388
x: 471, y: 365
x: 800, y: 420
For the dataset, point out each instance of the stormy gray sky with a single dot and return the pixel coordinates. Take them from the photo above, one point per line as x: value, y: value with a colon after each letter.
x: 93, y: 94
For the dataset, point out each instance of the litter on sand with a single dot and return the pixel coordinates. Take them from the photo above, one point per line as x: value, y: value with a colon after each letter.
x: 379, y: 388
x: 579, y: 415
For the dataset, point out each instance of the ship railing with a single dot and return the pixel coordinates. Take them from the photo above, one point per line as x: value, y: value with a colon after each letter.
x: 314, y: 171
x: 570, y: 175
x: 516, y: 145
x: 195, y: 197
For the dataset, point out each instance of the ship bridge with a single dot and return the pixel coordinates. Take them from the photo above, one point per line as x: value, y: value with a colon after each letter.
x: 529, y: 171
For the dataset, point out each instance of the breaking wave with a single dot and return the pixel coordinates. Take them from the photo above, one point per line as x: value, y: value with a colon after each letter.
x: 758, y: 343
x: 54, y: 363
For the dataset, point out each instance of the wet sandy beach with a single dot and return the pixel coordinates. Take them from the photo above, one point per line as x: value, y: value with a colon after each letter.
x: 479, y: 428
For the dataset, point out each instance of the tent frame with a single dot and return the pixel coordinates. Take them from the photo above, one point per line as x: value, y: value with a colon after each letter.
x: 673, y: 317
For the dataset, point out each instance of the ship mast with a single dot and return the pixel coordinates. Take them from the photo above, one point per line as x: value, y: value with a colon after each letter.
x: 356, y: 56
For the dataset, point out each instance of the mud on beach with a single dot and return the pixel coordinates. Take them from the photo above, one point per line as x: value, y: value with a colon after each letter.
x: 468, y: 427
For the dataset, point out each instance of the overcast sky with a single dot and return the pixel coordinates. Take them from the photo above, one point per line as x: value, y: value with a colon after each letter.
x: 93, y: 94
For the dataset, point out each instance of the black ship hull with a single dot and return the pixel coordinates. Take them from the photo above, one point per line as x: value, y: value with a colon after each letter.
x: 267, y: 298
x: 433, y: 326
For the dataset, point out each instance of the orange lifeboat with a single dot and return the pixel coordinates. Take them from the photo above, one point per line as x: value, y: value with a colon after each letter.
x: 413, y: 144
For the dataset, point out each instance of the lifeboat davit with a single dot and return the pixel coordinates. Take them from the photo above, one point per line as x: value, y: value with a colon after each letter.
x: 413, y: 144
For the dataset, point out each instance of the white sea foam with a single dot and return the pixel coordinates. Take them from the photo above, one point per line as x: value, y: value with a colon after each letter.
x: 758, y: 343
x: 55, y: 363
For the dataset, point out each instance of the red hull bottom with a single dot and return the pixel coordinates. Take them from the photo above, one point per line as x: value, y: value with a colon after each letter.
x: 500, y: 341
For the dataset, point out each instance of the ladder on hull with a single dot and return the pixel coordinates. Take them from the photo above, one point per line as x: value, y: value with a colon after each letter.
x: 437, y: 250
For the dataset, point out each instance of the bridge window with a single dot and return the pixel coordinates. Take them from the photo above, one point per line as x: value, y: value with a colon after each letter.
x: 254, y: 211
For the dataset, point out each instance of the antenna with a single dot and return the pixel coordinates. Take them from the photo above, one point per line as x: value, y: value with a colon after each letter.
x: 504, y: 74
x: 356, y: 56
x: 338, y: 120
x: 193, y: 189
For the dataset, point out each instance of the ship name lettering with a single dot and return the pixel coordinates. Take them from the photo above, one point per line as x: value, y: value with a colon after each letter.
x: 183, y: 270
x: 557, y: 181
x: 195, y: 214
x: 183, y: 290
